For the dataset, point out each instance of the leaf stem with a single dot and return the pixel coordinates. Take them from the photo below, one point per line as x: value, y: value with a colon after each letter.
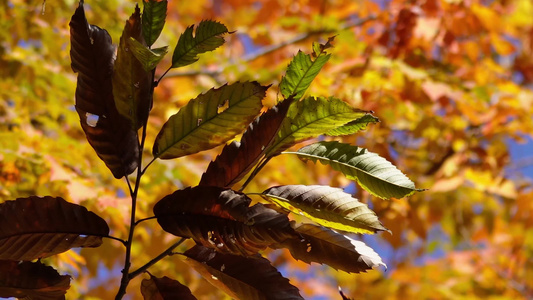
x: 145, y: 219
x: 156, y: 259
x: 116, y: 239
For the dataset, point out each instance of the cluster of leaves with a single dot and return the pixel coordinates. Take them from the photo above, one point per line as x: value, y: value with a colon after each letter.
x: 114, y: 96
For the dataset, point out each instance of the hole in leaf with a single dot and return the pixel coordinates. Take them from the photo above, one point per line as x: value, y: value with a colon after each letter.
x: 222, y: 107
x: 92, y: 120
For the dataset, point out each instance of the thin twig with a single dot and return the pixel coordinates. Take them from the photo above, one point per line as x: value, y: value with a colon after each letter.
x: 116, y: 239
x: 156, y: 259
x: 145, y: 219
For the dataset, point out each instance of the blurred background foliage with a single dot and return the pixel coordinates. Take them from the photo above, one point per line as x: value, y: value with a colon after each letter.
x: 450, y: 81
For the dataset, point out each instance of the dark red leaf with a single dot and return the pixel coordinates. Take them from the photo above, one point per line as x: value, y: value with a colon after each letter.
x: 237, y: 159
x: 221, y: 219
x: 110, y: 134
x: 31, y: 280
x: 241, y: 277
x: 35, y: 227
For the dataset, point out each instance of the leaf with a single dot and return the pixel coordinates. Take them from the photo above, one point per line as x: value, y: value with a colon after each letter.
x: 164, y: 289
x: 208, y: 37
x: 149, y: 58
x: 303, y: 69
x: 240, y: 277
x: 310, y: 118
x: 354, y: 126
x: 221, y: 219
x: 374, y: 173
x: 153, y: 19
x: 238, y: 158
x: 35, y: 227
x: 31, y: 280
x: 131, y: 82
x: 325, y: 246
x: 330, y: 207
x: 110, y: 134
x: 199, y: 126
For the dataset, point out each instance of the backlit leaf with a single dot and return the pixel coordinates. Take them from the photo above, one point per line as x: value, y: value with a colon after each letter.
x: 221, y: 219
x: 246, y: 278
x: 164, y: 289
x: 35, y: 227
x: 303, y: 69
x: 238, y: 158
x: 31, y: 280
x: 109, y: 133
x: 199, y: 126
x: 131, y: 82
x: 208, y: 37
x: 153, y: 19
x: 325, y: 246
x: 149, y: 58
x: 310, y: 118
x: 374, y: 173
x: 330, y: 207
x: 354, y: 126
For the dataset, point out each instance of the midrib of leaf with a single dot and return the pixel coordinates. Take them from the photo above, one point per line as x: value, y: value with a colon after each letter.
x: 337, y: 162
x: 197, y: 43
x: 313, y: 62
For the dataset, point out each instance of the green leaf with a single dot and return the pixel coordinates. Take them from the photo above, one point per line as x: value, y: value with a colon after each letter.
x: 327, y: 206
x: 303, y: 69
x: 35, y: 227
x: 238, y: 158
x: 199, y: 126
x: 354, y: 126
x: 131, y: 82
x: 250, y: 278
x: 153, y: 19
x: 208, y: 37
x: 31, y: 280
x: 149, y: 58
x: 310, y: 118
x: 222, y: 219
x: 164, y: 288
x: 325, y: 246
x: 374, y: 173
x: 110, y: 134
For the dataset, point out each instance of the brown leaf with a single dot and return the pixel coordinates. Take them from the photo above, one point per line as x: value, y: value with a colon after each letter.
x: 164, y: 289
x: 110, y: 134
x: 35, y: 227
x: 221, y: 219
x: 237, y: 159
x: 246, y: 278
x: 31, y: 280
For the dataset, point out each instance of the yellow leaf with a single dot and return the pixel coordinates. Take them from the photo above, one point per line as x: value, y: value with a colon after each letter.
x: 502, y: 46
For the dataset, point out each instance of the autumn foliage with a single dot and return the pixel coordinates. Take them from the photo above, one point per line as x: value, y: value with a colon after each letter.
x: 250, y: 172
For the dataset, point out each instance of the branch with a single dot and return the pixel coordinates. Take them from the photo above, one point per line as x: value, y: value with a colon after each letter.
x: 271, y: 48
x: 156, y: 259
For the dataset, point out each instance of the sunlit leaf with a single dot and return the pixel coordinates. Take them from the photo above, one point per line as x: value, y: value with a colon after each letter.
x: 149, y: 58
x: 164, y: 289
x: 35, y: 227
x: 303, y: 69
x: 310, y: 118
x: 354, y: 126
x: 238, y: 158
x: 153, y: 19
x: 208, y: 37
x: 109, y: 133
x: 327, y: 206
x: 131, y: 82
x: 241, y: 277
x: 221, y: 219
x: 31, y: 280
x: 374, y: 173
x: 321, y: 245
x: 199, y: 126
